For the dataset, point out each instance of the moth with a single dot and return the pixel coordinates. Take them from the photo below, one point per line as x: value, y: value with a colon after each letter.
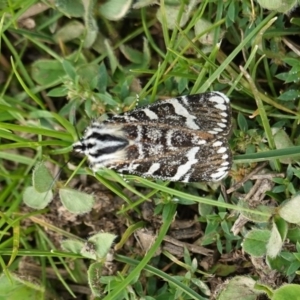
x: 180, y: 139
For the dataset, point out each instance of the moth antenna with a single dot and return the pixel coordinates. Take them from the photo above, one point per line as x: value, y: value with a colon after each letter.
x: 77, y: 133
x: 76, y: 129
x: 55, y: 178
x: 73, y: 121
x: 78, y: 138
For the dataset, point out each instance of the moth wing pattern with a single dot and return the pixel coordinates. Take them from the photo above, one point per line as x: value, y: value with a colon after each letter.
x: 207, y: 112
x: 179, y: 139
x: 207, y: 162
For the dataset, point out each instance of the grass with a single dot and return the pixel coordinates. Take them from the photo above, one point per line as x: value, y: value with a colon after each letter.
x: 76, y: 64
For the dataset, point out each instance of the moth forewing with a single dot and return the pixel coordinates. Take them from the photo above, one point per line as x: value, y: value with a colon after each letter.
x: 209, y: 161
x: 196, y: 112
x: 179, y: 139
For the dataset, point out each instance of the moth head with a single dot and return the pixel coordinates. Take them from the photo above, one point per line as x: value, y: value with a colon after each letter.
x: 87, y: 141
x: 79, y: 146
x: 103, y: 144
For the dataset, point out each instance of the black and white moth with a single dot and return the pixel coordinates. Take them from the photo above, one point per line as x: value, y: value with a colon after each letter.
x: 179, y: 139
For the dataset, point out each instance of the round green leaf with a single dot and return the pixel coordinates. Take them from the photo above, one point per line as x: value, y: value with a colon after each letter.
x: 255, y: 217
x: 289, y: 211
x: 282, y: 140
x: 47, y: 72
x: 89, y: 75
x: 288, y: 291
x: 103, y: 242
x: 36, y: 200
x: 73, y: 246
x: 70, y: 31
x: 275, y: 242
x: 283, y: 6
x: 42, y: 179
x: 240, y: 287
x: 94, y: 277
x: 72, y: 8
x: 256, y: 241
x: 13, y: 287
x: 172, y: 12
x: 76, y: 202
x: 208, y: 37
x: 58, y: 92
x: 115, y: 10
